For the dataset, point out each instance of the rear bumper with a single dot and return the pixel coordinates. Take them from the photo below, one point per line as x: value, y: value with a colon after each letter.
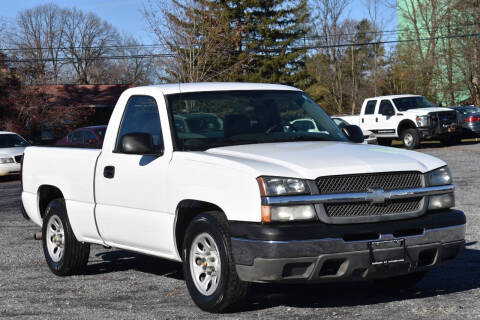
x: 345, y: 252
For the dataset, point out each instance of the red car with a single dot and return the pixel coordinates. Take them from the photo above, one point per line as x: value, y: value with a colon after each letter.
x: 84, y: 137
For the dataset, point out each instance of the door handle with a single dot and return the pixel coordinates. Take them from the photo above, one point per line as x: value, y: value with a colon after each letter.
x: 109, y: 172
x: 376, y: 119
x: 363, y: 120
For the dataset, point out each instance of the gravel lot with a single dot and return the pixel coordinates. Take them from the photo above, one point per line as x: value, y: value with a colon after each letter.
x: 123, y: 285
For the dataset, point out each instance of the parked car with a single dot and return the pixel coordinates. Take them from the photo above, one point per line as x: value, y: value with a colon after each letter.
x: 469, y: 118
x: 12, y: 147
x: 83, y: 137
x: 260, y: 203
x: 409, y: 118
x: 368, y: 136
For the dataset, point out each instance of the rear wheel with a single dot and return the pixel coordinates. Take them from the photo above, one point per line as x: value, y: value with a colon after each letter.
x: 208, y: 264
x: 63, y: 253
x: 410, y: 138
x: 406, y: 281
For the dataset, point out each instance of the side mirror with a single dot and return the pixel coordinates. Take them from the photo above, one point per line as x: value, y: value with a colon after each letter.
x: 139, y: 143
x: 353, y: 133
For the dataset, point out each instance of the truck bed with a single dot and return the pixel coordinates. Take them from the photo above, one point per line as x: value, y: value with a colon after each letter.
x: 71, y: 170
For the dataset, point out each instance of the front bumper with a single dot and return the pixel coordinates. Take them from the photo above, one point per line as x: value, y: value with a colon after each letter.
x: 321, y: 252
x: 440, y: 132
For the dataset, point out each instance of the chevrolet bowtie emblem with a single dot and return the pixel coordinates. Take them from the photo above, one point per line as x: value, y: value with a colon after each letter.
x: 377, y: 195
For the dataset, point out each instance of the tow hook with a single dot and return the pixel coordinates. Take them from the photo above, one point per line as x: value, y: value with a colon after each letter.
x: 37, y: 235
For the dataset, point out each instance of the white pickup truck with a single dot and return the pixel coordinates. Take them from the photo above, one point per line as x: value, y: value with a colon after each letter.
x: 247, y: 198
x: 410, y: 118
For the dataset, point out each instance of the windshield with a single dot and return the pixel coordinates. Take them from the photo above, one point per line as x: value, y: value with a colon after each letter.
x: 12, y: 140
x: 408, y: 103
x: 212, y: 119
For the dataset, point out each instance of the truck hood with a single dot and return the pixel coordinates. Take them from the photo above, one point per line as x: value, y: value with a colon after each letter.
x: 10, y: 152
x: 310, y: 160
x: 425, y: 111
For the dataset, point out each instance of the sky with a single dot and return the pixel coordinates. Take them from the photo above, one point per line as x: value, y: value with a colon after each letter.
x: 126, y: 14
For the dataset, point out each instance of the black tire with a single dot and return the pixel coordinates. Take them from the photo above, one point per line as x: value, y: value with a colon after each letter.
x: 231, y: 291
x: 410, y: 138
x: 384, y: 142
x: 75, y: 254
x: 402, y: 282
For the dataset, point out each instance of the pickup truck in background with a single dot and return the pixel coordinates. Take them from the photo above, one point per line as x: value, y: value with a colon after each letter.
x: 215, y: 176
x: 410, y: 118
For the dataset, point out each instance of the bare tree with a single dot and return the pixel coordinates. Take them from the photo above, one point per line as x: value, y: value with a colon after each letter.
x: 426, y: 18
x: 39, y: 36
x: 330, y: 29
x: 137, y: 68
x: 87, y: 40
x: 198, y: 36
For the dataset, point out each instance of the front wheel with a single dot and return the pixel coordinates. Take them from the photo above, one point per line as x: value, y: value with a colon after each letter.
x: 63, y: 253
x: 410, y: 138
x: 208, y: 264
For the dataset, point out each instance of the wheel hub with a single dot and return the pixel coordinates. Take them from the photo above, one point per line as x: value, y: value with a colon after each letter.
x: 55, y: 238
x: 205, y: 265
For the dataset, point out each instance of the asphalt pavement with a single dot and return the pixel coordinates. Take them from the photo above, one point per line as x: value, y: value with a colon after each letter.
x: 124, y: 285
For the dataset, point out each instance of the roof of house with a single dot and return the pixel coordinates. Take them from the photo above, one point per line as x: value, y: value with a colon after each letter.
x: 75, y: 95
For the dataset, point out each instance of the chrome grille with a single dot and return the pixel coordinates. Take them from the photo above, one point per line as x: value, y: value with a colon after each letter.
x: 364, y: 182
x: 360, y: 209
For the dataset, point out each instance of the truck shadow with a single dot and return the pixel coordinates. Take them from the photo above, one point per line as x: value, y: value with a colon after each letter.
x: 460, y: 275
x: 120, y: 260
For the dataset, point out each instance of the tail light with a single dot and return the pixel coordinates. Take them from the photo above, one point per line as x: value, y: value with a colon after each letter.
x: 473, y: 119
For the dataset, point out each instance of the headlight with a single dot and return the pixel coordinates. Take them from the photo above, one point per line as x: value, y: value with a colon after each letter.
x: 443, y: 201
x: 6, y: 160
x: 292, y: 213
x: 440, y: 177
x: 423, y: 121
x: 274, y: 186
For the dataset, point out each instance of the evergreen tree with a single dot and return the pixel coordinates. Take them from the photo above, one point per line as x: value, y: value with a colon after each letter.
x: 273, y: 31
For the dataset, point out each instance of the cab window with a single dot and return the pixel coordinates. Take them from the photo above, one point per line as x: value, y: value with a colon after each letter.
x: 141, y: 116
x: 370, y: 107
x: 386, y: 108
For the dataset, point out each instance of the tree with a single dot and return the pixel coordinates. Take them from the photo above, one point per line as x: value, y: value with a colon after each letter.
x: 39, y: 36
x: 273, y: 34
x: 327, y: 64
x: 198, y: 38
x: 87, y: 40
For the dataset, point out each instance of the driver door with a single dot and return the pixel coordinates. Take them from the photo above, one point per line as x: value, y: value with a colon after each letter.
x: 386, y: 124
x: 131, y: 190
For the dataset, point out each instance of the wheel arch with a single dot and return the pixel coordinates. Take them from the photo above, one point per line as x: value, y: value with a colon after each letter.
x: 45, y: 194
x: 186, y: 210
x: 405, y: 124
